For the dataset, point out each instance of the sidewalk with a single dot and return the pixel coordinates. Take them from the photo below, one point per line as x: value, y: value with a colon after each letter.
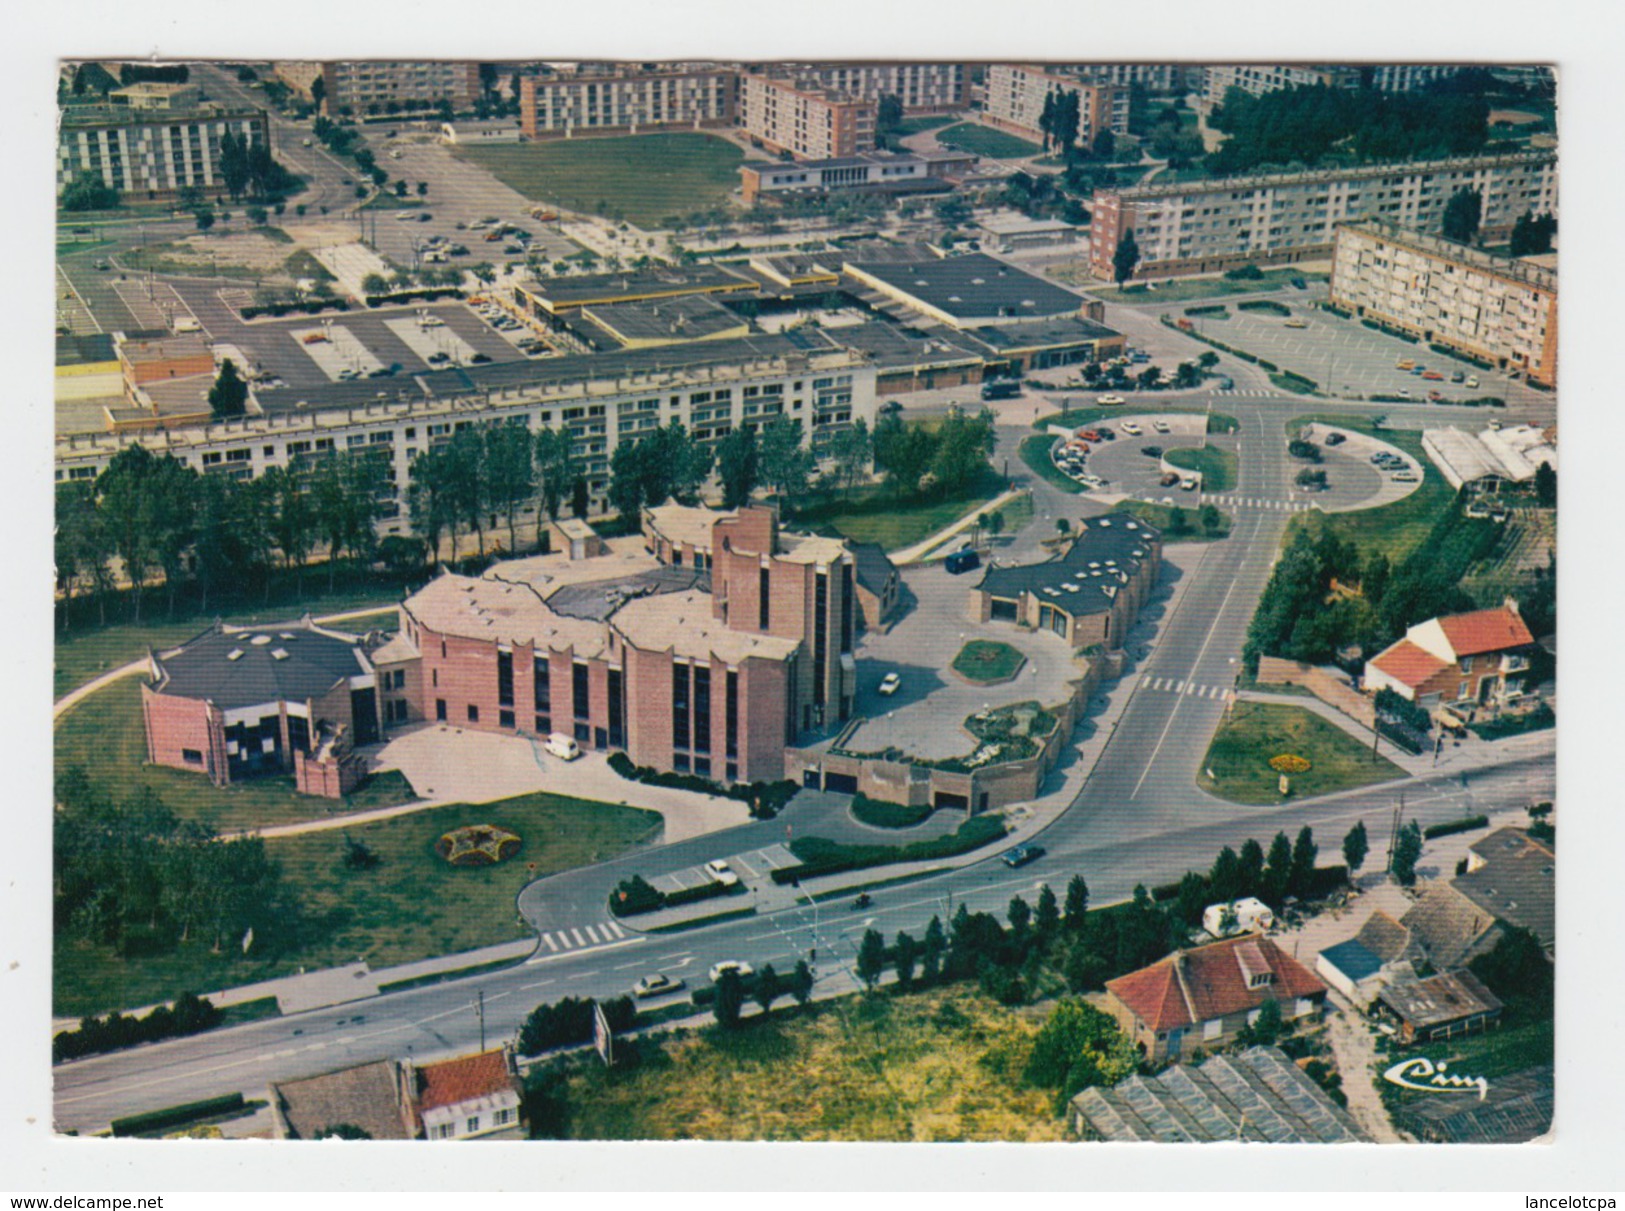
x: 920, y: 550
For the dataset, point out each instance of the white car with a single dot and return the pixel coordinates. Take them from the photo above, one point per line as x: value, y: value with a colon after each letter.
x: 1106, y: 401
x: 721, y: 872
x: 1161, y: 426
x: 562, y: 746
x: 1132, y: 428
x: 1189, y: 483
x: 656, y: 985
x: 734, y: 965
x: 890, y: 683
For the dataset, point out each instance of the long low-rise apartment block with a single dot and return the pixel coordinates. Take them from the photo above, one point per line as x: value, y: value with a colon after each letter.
x: 152, y: 153
x: 1497, y: 309
x: 804, y: 119
x: 878, y: 171
x: 625, y: 102
x: 372, y: 85
x: 1205, y: 226
x: 1016, y: 94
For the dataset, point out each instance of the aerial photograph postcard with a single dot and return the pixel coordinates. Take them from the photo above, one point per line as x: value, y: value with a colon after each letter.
x: 836, y: 600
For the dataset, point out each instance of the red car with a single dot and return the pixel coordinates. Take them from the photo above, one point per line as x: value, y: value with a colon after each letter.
x: 1435, y: 396
x: 1433, y: 376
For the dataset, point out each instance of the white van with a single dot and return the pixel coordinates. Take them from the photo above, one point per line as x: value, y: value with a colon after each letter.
x: 563, y: 746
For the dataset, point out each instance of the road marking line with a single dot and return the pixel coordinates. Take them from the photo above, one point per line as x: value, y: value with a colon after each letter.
x: 619, y: 932
x: 1180, y: 688
x: 551, y: 945
x: 591, y: 933
x: 576, y: 933
x: 1191, y: 689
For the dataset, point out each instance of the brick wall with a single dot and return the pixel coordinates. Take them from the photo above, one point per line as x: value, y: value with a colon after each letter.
x: 175, y: 725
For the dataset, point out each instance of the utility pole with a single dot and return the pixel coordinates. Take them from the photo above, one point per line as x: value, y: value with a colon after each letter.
x: 482, y: 1019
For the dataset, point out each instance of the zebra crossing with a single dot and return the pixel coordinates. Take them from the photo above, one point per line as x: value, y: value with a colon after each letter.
x: 580, y: 937
x: 1176, y: 685
x: 1260, y: 502
x: 1247, y: 393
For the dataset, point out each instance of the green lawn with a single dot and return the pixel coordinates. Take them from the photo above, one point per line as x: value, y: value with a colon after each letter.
x: 411, y: 906
x: 1218, y: 466
x: 87, y: 651
x: 985, y: 141
x: 104, y: 734
x: 944, y: 1065
x: 644, y: 179
x: 875, y: 515
x: 1396, y: 529
x: 1035, y: 452
x: 1256, y: 731
x: 986, y: 661
x: 1180, y: 290
x: 1161, y: 516
x: 914, y: 126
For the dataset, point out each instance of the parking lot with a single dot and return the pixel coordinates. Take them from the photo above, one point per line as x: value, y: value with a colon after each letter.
x: 754, y: 867
x: 1347, y: 358
x: 1125, y: 465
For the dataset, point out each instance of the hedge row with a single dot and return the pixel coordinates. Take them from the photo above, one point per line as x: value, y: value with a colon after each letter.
x: 824, y: 857
x: 175, y: 1116
x: 1220, y: 345
x: 1327, y: 879
x: 1269, y: 305
x: 1536, y: 720
x: 1447, y: 351
x: 636, y: 895
x: 427, y: 295
x: 1336, y: 310
x: 1377, y: 326
x: 1216, y: 310
x: 189, y: 1015
x: 1401, y: 736
x: 1465, y: 825
x: 766, y: 799
x: 281, y: 309
x: 880, y: 814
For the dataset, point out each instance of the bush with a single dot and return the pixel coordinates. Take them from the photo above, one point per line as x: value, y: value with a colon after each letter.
x: 636, y: 895
x: 1299, y: 448
x: 176, y: 1116
x: 189, y: 1015
x: 1464, y: 825
x: 766, y: 799
x: 1244, y: 273
x: 309, y: 307
x: 1217, y: 311
x: 1536, y: 720
x: 1396, y: 706
x: 1265, y: 305
x: 880, y: 814
x: 823, y: 857
x: 427, y: 295
x: 569, y: 1023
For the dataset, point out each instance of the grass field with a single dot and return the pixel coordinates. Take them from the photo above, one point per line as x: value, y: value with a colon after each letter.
x: 1161, y: 515
x: 1396, y: 529
x: 914, y: 126
x: 411, y: 906
x: 874, y: 515
x: 1179, y: 290
x: 986, y: 661
x: 105, y: 735
x: 985, y: 141
x: 86, y: 652
x: 644, y: 179
x: 942, y: 1065
x: 1218, y: 467
x: 1256, y: 731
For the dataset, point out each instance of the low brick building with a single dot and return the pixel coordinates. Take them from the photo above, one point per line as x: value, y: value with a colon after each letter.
x: 236, y: 702
x: 704, y: 647
x: 1202, y: 997
x: 1089, y: 594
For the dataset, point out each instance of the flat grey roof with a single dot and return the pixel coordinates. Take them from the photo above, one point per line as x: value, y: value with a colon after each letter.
x: 599, y: 599
x: 686, y: 317
x: 313, y: 664
x: 975, y: 286
x: 1106, y: 555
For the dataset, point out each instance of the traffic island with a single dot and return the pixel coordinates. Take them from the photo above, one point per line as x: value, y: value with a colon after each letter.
x: 988, y: 662
x: 1268, y: 753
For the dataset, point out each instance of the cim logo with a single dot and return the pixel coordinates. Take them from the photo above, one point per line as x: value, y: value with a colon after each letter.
x: 1421, y: 1073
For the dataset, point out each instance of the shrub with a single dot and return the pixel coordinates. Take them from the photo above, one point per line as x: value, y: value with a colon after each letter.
x: 175, y: 1116
x: 1464, y: 825
x: 1216, y: 311
x: 766, y: 799
x: 478, y: 845
x: 1244, y: 273
x: 1265, y: 305
x: 569, y: 1023
x: 636, y: 895
x: 1536, y: 720
x: 820, y: 856
x: 1298, y: 448
x: 189, y: 1015
x: 880, y: 814
x: 1396, y: 706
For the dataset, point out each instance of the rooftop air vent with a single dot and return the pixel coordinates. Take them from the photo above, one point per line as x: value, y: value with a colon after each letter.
x: 286, y: 635
x: 1070, y: 587
x: 278, y: 654
x: 235, y: 654
x: 1132, y: 525
x: 260, y: 640
x: 1105, y: 523
x: 1093, y: 564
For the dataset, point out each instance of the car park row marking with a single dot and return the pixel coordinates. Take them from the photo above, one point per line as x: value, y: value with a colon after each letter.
x: 1170, y: 685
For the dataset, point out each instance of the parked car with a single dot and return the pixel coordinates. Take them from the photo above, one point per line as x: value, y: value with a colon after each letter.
x: 1021, y: 855
x: 1295, y: 322
x: 890, y: 684
x: 742, y: 969
x: 1189, y: 483
x: 656, y: 985
x: 1152, y: 451
x: 1092, y: 482
x: 962, y: 561
x: 1106, y: 401
x: 1169, y: 479
x: 1471, y: 381
x: 721, y: 872
x: 1132, y: 428
x: 1161, y: 426
x: 890, y: 408
x: 1403, y: 393
x: 1435, y: 396
x: 1335, y: 439
x: 1404, y: 477
x: 563, y: 747
x: 1457, y: 376
x: 1405, y: 363
x: 1433, y: 376
x: 1001, y: 389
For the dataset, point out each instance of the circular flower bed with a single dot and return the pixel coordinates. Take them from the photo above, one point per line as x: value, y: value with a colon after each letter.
x: 477, y: 845
x: 1289, y: 763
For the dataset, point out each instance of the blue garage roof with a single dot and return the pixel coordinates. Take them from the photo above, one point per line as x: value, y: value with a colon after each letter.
x: 1353, y: 960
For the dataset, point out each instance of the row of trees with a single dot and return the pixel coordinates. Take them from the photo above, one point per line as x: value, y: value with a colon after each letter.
x: 490, y: 472
x: 247, y: 168
x: 150, y: 515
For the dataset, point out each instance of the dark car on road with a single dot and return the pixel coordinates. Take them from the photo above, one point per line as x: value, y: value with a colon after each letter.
x: 962, y: 561
x: 1151, y: 451
x: 1021, y: 855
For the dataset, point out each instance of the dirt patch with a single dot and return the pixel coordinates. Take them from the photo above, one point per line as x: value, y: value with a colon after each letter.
x: 239, y: 248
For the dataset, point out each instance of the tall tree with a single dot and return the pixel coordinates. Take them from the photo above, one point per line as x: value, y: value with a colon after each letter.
x: 1020, y: 916
x: 785, y: 463
x: 730, y: 999
x: 1407, y: 849
x: 556, y: 469
x: 1077, y: 905
x: 905, y: 955
x: 628, y: 477
x: 1251, y: 867
x: 229, y: 395
x: 470, y: 483
x: 769, y: 988
x: 1462, y: 215
x: 931, y: 951
x: 1304, y: 853
x: 1278, y: 870
x: 801, y: 982
x: 1355, y: 847
x: 1126, y: 257
x: 1047, y: 916
x: 964, y: 443
x: 1225, y: 878
x: 510, y: 473
x: 737, y: 467
x: 903, y: 452
x: 851, y: 448
x: 871, y: 958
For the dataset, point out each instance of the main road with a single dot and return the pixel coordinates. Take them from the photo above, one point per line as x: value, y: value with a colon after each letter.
x: 1138, y: 819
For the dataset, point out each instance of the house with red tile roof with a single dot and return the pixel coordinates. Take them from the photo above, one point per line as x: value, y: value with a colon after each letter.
x: 472, y: 1096
x: 1472, y: 659
x: 1202, y: 997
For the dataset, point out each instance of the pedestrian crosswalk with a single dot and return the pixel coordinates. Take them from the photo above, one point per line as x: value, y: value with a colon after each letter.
x: 1248, y: 392
x: 582, y: 937
x: 1259, y: 502
x: 1178, y: 685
